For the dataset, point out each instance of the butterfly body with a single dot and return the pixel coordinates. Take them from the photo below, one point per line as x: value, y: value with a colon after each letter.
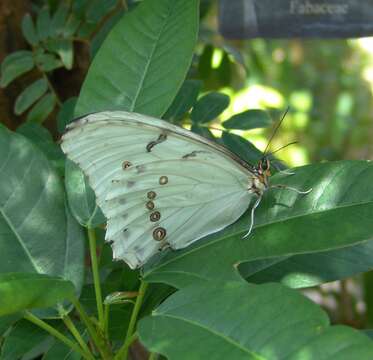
x: 159, y: 185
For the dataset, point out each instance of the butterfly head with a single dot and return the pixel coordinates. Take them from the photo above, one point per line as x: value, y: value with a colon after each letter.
x: 263, y: 170
x: 260, y: 182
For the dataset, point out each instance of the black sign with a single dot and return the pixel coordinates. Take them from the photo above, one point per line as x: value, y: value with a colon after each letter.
x: 240, y: 19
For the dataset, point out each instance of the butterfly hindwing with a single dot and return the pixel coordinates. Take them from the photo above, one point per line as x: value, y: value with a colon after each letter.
x: 158, y: 185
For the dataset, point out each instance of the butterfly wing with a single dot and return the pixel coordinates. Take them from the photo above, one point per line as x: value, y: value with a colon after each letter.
x: 158, y: 184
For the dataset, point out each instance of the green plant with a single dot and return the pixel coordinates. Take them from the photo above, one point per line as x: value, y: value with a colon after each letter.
x: 188, y: 304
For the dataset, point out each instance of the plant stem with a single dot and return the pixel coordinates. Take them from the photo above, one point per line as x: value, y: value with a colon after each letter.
x: 99, y: 343
x: 52, y: 89
x: 106, y: 325
x: 153, y: 356
x: 123, y: 351
x: 51, y: 330
x: 74, y: 331
x: 124, y: 5
x: 96, y: 277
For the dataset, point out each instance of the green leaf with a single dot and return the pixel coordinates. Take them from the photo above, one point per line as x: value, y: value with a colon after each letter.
x: 205, y: 60
x: 209, y: 107
x: 7, y: 321
x: 29, y: 31
x: 22, y: 338
x: 82, y: 200
x: 47, y: 62
x: 286, y: 224
x: 42, y: 109
x: 34, y: 222
x: 59, y: 350
x: 224, y: 71
x: 43, y: 23
x: 64, y: 49
x: 15, y: 65
x: 98, y: 9
x: 144, y: 60
x: 242, y: 147
x: 243, y: 321
x: 184, y: 100
x: 86, y: 30
x: 250, y: 119
x: 71, y: 26
x: 42, y: 138
x: 31, y: 94
x: 236, y: 54
x: 25, y: 291
x: 308, y: 270
x: 203, y: 131
x: 99, y: 38
x: 66, y: 114
x: 59, y: 19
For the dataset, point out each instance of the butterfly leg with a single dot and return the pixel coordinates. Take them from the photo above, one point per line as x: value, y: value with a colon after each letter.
x: 256, y: 204
x: 280, y: 186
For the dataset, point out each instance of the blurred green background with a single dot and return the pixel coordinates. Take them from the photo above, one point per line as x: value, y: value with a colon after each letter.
x: 326, y: 83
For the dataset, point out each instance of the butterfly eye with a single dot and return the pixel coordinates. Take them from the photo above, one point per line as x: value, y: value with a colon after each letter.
x: 264, y: 164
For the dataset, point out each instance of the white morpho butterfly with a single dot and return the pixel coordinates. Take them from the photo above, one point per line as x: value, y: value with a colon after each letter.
x: 160, y: 185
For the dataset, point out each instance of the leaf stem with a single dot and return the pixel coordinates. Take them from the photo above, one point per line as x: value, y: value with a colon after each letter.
x: 58, y: 335
x: 74, y: 331
x: 123, y: 351
x: 96, y: 277
x: 99, y: 343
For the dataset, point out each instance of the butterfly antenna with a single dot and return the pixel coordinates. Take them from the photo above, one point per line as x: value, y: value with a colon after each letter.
x: 282, y: 147
x: 275, y: 130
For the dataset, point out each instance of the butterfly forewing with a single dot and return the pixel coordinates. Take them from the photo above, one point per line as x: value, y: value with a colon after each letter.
x: 158, y: 185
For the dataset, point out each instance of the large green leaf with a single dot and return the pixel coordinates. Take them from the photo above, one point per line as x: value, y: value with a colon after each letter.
x: 82, y: 200
x: 37, y: 232
x: 236, y: 320
x: 143, y: 61
x: 66, y: 114
x: 99, y: 38
x: 60, y: 351
x: 21, y: 339
x: 15, y: 65
x: 7, y: 321
x: 43, y: 139
x: 336, y: 214
x: 24, y: 291
x: 311, y: 269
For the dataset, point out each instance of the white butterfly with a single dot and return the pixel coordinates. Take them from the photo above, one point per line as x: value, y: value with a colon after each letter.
x: 160, y: 185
